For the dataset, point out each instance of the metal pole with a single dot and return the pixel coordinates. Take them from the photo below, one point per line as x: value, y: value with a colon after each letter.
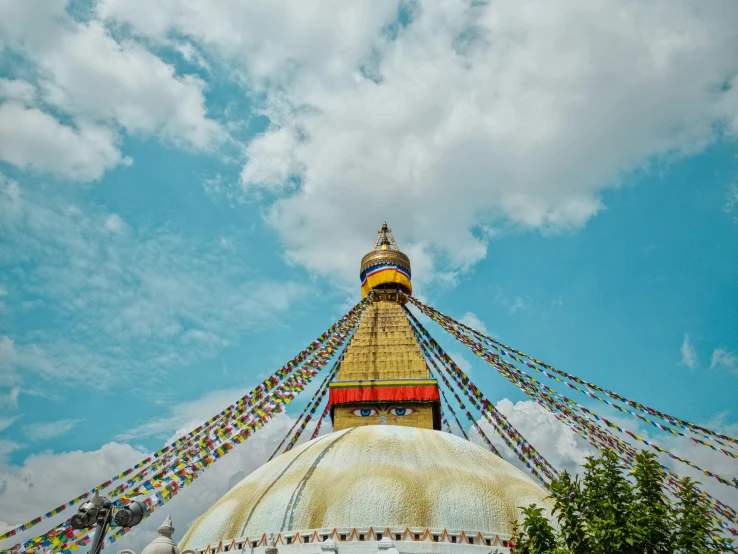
x: 102, y: 529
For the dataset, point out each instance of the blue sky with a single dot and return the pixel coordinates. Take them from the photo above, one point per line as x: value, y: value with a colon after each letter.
x: 186, y: 193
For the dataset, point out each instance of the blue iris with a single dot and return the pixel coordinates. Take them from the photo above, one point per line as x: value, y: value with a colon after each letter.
x: 400, y: 411
x: 366, y: 413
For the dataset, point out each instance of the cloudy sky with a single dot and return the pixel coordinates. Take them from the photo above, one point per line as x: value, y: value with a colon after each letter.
x: 187, y: 188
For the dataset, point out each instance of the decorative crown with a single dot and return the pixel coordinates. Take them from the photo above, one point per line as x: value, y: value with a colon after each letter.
x: 385, y: 251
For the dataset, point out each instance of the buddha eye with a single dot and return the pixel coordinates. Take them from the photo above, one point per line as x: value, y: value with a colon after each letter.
x: 364, y: 412
x: 402, y: 411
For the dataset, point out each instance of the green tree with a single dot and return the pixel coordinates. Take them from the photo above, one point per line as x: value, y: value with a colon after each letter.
x: 608, y: 513
x: 653, y: 520
x: 537, y: 536
x: 695, y: 532
x: 570, y: 510
x: 607, y: 498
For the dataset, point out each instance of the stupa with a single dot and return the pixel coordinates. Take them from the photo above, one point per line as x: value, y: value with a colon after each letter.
x: 387, y: 479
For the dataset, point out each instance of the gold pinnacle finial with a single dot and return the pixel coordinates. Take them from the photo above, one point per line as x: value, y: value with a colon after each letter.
x: 385, y: 240
x: 385, y: 265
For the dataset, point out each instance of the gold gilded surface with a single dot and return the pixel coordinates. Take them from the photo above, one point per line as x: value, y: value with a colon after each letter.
x: 418, y: 415
x: 383, y: 347
x: 385, y: 251
x: 379, y: 257
x: 380, y: 476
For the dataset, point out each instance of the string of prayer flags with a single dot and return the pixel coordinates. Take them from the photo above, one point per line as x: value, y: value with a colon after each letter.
x: 601, y: 439
x: 162, y: 486
x: 464, y: 382
x: 468, y: 415
x: 453, y: 413
x: 533, y: 363
x: 270, y: 398
x: 270, y: 383
x: 324, y: 384
x: 320, y: 421
x: 506, y: 369
x: 312, y: 410
x: 521, y: 378
x: 312, y: 406
x: 510, y: 444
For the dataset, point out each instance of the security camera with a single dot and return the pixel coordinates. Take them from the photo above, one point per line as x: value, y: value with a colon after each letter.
x: 91, y: 512
x: 131, y: 514
x: 98, y: 512
x: 85, y: 517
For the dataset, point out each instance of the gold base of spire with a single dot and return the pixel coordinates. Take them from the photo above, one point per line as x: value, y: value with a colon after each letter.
x: 385, y: 352
x: 383, y: 347
x: 384, y: 378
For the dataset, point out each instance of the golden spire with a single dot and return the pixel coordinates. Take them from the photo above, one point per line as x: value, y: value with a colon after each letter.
x: 385, y: 267
x: 384, y: 378
x: 385, y: 240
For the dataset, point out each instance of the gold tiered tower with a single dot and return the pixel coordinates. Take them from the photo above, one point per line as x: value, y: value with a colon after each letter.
x: 384, y: 378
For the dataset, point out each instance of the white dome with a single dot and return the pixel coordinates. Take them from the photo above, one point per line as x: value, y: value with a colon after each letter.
x: 379, y: 476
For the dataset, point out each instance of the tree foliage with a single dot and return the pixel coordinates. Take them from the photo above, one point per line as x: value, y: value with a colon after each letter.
x: 610, y: 512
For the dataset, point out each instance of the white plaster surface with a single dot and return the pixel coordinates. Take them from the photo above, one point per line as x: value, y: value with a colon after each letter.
x: 486, y: 544
x: 378, y: 476
x: 405, y: 547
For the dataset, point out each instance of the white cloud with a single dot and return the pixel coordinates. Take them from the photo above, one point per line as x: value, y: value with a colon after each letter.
x: 9, y: 399
x: 7, y: 447
x: 34, y: 140
x: 139, y: 300
x: 17, y: 90
x: 519, y: 304
x: 274, y: 42
x: 557, y: 302
x: 97, y: 83
x: 38, y: 432
x: 556, y: 442
x: 8, y: 360
x: 183, y: 417
x: 567, y: 451
x: 46, y: 480
x: 689, y: 354
x: 191, y: 54
x: 271, y: 161
x: 115, y: 224
x: 731, y: 201
x: 723, y: 359
x: 462, y: 362
x: 93, y: 76
x: 704, y: 457
x: 443, y: 115
x: 470, y: 319
x: 52, y: 359
x: 514, y: 304
x: 6, y: 422
x: 474, y: 113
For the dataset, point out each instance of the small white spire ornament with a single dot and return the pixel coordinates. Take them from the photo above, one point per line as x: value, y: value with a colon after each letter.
x: 271, y: 545
x: 163, y: 543
x: 387, y: 546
